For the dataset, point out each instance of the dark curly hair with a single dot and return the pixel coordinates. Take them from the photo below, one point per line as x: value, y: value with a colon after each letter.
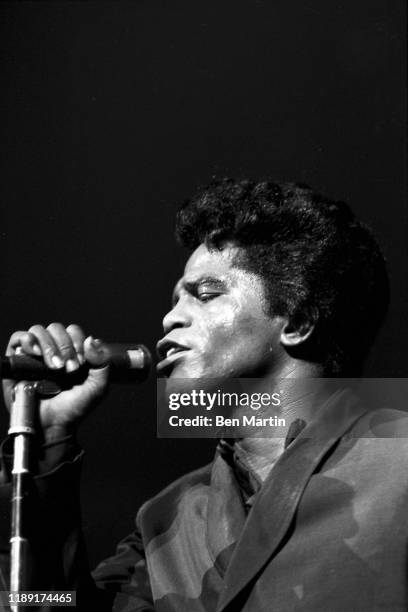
x: 319, y: 264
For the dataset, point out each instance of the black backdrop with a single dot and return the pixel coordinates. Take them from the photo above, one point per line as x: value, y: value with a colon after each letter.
x: 113, y: 112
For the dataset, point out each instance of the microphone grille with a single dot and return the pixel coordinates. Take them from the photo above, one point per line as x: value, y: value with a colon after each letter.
x: 137, y: 358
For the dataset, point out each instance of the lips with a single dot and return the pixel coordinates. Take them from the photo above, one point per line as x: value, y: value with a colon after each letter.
x: 168, y: 351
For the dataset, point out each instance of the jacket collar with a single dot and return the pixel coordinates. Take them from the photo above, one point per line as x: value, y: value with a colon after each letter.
x: 268, y: 522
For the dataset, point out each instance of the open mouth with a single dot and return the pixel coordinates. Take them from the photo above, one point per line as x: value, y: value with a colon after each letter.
x: 168, y: 352
x: 173, y: 350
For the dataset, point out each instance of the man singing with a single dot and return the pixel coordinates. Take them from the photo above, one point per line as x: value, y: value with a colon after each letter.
x: 281, y: 283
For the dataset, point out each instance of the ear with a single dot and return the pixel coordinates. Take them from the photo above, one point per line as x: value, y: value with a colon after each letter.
x: 296, y: 334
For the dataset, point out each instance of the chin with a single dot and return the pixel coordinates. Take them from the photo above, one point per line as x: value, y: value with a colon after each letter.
x: 188, y: 371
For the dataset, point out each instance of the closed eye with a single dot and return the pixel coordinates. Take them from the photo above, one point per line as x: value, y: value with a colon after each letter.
x: 203, y: 290
x: 206, y: 296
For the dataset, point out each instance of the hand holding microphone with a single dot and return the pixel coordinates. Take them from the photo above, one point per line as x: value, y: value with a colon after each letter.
x: 65, y: 355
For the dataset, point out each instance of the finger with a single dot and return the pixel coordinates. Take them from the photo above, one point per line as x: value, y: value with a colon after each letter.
x: 96, y: 353
x: 48, y: 346
x: 78, y: 339
x: 65, y: 346
x: 23, y: 342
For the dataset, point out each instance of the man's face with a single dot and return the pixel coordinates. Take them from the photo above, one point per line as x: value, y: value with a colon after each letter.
x: 218, y: 326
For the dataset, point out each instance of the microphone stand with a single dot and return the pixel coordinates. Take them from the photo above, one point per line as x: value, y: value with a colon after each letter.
x: 127, y: 363
x: 22, y: 418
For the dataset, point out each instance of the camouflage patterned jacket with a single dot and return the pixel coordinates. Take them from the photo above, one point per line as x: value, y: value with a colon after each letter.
x: 327, y: 530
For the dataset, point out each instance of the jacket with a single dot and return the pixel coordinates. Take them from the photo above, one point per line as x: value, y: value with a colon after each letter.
x: 327, y: 530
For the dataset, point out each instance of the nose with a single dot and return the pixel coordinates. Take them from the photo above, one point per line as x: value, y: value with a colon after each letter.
x: 178, y: 316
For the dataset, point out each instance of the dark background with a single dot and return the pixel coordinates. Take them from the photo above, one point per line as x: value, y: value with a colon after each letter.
x: 113, y: 112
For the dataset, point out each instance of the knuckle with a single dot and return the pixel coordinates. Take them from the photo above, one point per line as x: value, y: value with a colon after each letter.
x: 17, y: 341
x: 77, y: 335
x: 66, y: 348
x: 49, y: 350
x: 55, y: 326
x: 37, y: 328
x: 17, y: 336
x: 27, y: 339
x: 73, y: 327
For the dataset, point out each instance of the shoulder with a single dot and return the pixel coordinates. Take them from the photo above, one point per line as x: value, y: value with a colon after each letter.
x: 379, y: 439
x: 383, y: 423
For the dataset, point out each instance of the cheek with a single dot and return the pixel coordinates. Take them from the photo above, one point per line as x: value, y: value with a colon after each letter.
x: 250, y: 323
x: 214, y: 324
x: 232, y: 333
x: 219, y: 330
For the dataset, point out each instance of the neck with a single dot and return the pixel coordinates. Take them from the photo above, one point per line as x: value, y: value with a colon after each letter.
x: 302, y: 391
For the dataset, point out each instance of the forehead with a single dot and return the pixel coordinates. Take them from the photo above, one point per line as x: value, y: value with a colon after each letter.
x: 217, y: 267
x: 210, y: 264
x: 204, y: 261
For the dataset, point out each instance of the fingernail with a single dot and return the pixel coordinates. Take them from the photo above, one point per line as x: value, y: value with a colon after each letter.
x: 71, y: 365
x: 96, y: 344
x: 57, y: 361
x: 37, y: 350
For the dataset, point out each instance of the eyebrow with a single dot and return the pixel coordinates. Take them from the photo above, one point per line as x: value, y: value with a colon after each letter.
x: 192, y: 285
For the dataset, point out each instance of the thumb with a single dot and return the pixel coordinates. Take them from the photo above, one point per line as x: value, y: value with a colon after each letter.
x: 97, y: 355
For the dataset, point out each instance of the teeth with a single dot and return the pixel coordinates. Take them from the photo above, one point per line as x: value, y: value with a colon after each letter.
x: 172, y: 350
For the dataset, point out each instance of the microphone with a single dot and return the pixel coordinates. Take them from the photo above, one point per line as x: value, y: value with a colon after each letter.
x: 128, y: 364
